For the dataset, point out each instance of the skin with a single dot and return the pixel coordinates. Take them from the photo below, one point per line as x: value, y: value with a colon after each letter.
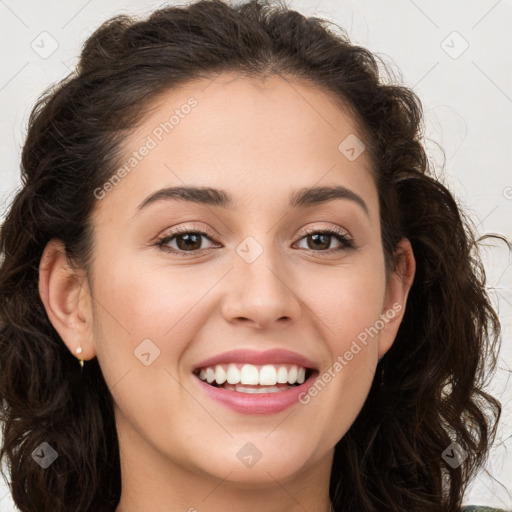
x: 259, y: 141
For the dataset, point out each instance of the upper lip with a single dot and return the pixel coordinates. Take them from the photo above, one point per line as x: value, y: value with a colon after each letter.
x: 274, y: 356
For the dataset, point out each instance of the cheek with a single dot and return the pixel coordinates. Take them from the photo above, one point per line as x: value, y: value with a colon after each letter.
x: 147, y: 301
x: 139, y: 312
x: 142, y: 317
x: 348, y: 300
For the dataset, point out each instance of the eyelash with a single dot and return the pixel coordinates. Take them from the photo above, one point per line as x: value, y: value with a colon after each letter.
x: 346, y: 241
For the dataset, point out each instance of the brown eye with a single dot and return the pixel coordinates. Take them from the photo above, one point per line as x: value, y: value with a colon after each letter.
x: 183, y: 241
x: 320, y: 240
x: 188, y: 241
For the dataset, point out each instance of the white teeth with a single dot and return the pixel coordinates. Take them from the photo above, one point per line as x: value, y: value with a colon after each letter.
x: 268, y: 375
x: 266, y: 389
x: 249, y: 374
x: 282, y: 375
x: 220, y: 374
x: 292, y: 375
x: 233, y: 374
x: 210, y: 375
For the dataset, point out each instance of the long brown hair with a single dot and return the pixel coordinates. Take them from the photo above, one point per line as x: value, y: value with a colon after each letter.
x: 428, y: 390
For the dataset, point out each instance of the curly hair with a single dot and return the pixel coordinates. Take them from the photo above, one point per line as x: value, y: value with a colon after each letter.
x: 428, y: 390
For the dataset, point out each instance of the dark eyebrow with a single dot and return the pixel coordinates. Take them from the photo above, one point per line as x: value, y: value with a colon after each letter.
x: 310, y: 196
x: 301, y: 198
x: 201, y: 195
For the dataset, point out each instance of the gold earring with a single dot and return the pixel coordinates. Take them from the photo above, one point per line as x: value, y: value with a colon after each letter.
x: 81, y: 361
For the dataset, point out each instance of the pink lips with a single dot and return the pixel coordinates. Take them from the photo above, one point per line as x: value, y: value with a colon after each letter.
x: 274, y: 356
x: 261, y: 403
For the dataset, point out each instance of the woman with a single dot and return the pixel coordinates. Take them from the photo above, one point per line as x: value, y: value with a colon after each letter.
x: 228, y: 218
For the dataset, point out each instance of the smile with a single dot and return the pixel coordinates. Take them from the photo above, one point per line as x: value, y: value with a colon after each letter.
x: 251, y: 382
x: 249, y: 378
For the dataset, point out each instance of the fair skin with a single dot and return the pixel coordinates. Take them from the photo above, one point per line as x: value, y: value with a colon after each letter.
x: 259, y: 142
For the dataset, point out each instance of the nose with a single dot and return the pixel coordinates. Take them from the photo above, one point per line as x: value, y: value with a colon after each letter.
x: 261, y: 293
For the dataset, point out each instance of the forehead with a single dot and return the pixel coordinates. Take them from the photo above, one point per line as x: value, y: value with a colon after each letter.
x: 246, y: 134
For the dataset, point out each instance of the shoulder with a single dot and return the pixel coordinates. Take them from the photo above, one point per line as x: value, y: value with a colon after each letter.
x: 477, y: 508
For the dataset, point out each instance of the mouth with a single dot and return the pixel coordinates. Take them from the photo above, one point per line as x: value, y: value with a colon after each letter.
x: 255, y: 379
x: 250, y: 382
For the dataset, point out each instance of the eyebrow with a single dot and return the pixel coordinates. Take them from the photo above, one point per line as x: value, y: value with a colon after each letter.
x: 300, y: 198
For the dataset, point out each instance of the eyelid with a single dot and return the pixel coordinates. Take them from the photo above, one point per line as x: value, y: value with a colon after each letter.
x: 335, y: 229
x: 346, y: 238
x: 308, y: 230
x: 189, y: 228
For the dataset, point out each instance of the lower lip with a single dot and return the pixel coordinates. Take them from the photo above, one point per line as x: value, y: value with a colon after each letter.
x: 257, y: 403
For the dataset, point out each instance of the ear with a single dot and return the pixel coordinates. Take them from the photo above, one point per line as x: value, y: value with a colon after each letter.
x: 67, y: 300
x: 397, y: 289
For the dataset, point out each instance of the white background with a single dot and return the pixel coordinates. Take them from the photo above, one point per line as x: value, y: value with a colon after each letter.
x: 467, y: 96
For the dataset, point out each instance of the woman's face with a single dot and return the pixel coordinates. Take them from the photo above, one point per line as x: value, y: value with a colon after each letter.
x: 263, y: 277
